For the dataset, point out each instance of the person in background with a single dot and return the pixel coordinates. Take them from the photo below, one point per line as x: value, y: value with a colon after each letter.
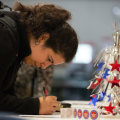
x: 43, y: 38
x: 30, y: 80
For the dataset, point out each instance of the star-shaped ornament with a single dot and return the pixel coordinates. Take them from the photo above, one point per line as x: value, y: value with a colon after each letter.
x: 109, y: 108
x: 114, y: 82
x: 100, y: 65
x: 97, y: 82
x: 101, y: 96
x: 106, y: 73
x: 115, y: 66
x: 93, y: 100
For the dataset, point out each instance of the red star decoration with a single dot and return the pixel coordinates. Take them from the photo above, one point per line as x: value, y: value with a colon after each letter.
x: 114, y: 82
x: 96, y: 83
x: 109, y: 108
x: 115, y: 66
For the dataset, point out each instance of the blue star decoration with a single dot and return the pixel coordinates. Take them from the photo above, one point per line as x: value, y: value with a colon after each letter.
x: 101, y: 96
x: 94, y: 100
x: 100, y: 65
x: 106, y: 73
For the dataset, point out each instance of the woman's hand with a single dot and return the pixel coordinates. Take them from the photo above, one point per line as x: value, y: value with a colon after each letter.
x: 48, y: 105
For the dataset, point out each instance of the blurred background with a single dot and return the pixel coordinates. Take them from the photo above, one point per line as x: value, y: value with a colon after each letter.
x: 94, y: 22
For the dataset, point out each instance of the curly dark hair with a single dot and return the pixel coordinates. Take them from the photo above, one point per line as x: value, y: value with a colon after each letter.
x: 51, y: 19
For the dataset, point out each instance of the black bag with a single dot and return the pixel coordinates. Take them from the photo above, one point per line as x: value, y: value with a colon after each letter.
x: 8, y: 21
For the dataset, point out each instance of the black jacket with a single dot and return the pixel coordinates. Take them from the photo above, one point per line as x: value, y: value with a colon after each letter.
x: 12, y: 52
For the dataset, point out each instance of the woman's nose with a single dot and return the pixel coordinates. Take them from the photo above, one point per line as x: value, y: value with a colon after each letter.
x: 45, y: 65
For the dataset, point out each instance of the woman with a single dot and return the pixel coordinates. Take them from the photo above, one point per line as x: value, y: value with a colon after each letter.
x: 45, y: 38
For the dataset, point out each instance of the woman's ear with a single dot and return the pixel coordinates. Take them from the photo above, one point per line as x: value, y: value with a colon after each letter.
x: 44, y: 37
x: 41, y: 40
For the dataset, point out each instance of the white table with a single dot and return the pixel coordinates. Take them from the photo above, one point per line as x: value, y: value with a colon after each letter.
x: 56, y: 115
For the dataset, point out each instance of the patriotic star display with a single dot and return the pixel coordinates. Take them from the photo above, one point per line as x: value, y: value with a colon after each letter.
x: 109, y: 108
x: 114, y: 82
x: 105, y: 74
x: 115, y: 66
x: 93, y: 100
x: 98, y: 81
x: 108, y: 78
x: 100, y: 65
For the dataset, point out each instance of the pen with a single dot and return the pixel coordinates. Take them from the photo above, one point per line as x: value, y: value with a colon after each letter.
x: 45, y: 91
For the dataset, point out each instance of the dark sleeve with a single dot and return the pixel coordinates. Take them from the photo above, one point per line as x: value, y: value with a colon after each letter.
x: 9, y: 102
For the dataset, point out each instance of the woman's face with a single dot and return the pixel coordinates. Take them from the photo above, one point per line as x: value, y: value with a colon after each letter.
x: 43, y: 57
